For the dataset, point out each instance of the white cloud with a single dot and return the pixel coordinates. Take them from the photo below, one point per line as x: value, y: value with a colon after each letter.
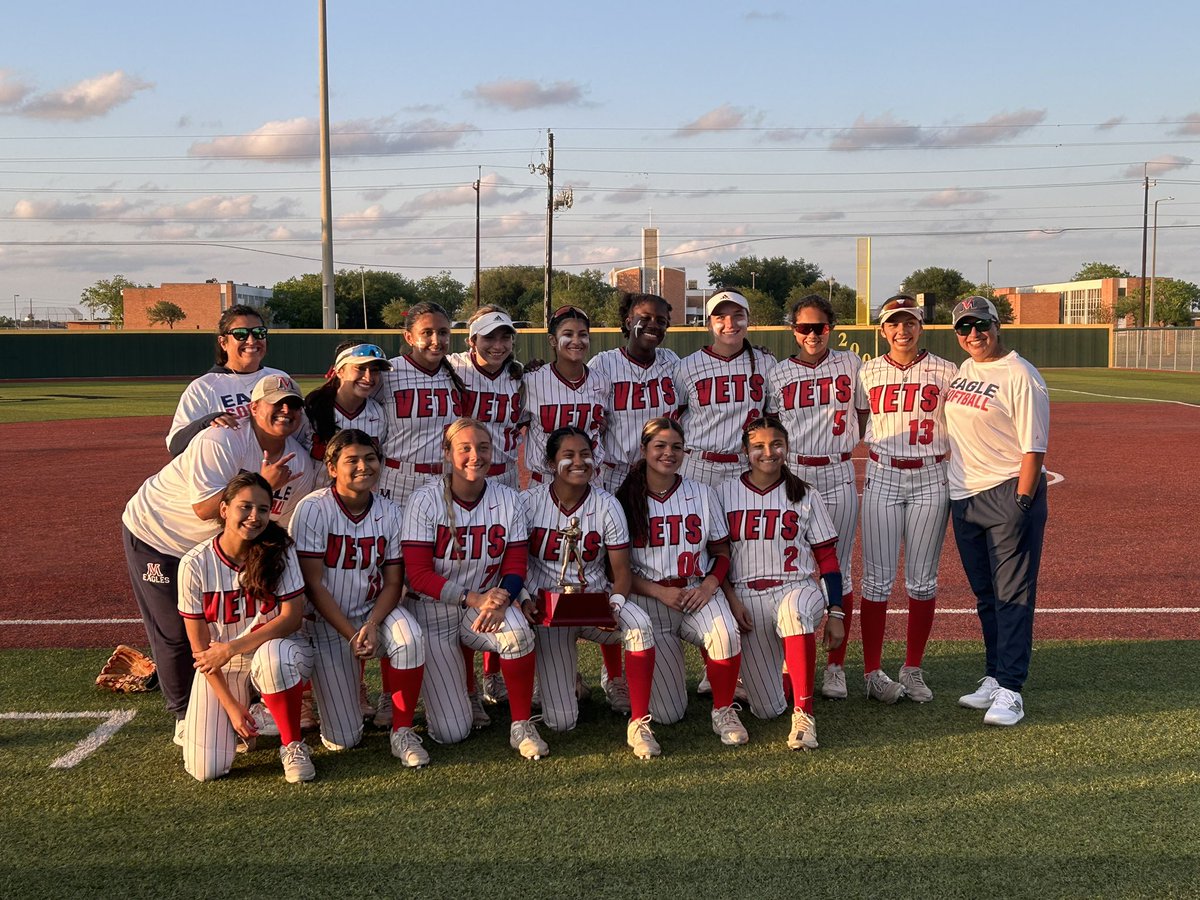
x: 289, y: 139
x: 490, y: 193
x: 884, y: 131
x: 12, y: 91
x: 719, y: 119
x: 1000, y: 127
x: 518, y: 94
x: 1191, y: 125
x: 887, y: 131
x: 88, y: 99
x: 54, y: 209
x: 953, y: 197
x: 1160, y: 165
x: 1109, y: 124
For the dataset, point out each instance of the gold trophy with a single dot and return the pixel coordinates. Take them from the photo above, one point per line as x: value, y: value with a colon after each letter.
x: 572, y: 604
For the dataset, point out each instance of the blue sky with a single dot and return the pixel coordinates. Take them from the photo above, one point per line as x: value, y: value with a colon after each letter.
x: 139, y: 136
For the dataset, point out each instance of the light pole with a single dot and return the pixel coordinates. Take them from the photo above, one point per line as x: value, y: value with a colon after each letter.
x: 1154, y: 260
x: 16, y: 314
x: 362, y: 274
x: 831, y: 281
x: 988, y: 282
x: 753, y: 275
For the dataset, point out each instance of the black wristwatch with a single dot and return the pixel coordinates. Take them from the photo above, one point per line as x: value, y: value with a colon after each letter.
x: 1025, y: 502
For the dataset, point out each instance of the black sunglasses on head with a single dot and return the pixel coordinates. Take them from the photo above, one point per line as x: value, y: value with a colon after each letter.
x: 966, y: 326
x: 241, y: 335
x: 811, y: 328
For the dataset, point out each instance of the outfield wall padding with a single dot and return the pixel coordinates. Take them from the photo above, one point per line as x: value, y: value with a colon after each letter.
x: 148, y: 354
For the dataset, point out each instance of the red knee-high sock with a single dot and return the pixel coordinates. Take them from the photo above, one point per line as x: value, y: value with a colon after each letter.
x: 787, y: 683
x: 723, y: 676
x: 404, y: 685
x: 491, y: 663
x: 801, y: 653
x: 469, y: 662
x: 285, y: 710
x: 639, y: 670
x: 920, y: 624
x: 837, y: 657
x: 518, y: 676
x: 612, y: 660
x: 874, y: 620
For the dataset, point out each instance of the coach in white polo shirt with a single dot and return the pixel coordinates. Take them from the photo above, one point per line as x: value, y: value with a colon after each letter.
x: 998, y: 420
x: 176, y: 509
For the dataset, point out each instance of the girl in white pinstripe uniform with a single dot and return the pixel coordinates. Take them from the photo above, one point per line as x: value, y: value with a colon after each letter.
x: 241, y: 596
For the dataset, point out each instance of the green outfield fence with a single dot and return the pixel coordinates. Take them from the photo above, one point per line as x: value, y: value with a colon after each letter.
x: 151, y: 354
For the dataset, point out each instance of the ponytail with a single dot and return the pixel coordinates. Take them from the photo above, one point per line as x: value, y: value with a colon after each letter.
x: 319, y: 406
x: 266, y: 559
x: 746, y: 345
x: 632, y: 497
x: 794, y: 485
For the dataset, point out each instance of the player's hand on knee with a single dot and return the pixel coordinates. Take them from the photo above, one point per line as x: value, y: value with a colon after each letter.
x: 835, y: 633
x: 741, y: 615
x: 242, y: 721
x: 363, y: 643
x: 212, y: 659
x: 695, y: 598
x: 225, y: 420
x: 489, y: 621
x: 528, y: 607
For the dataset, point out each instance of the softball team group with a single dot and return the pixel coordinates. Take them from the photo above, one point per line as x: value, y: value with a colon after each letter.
x: 293, y: 539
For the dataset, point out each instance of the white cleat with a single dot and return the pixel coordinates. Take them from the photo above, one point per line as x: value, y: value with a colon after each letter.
x: 308, y: 712
x: 882, y: 688
x: 494, y: 689
x: 1007, y: 708
x: 406, y: 747
x: 803, y: 735
x: 703, y: 687
x: 178, y: 737
x: 982, y: 696
x: 833, y: 682
x: 740, y: 694
x: 617, y: 692
x: 726, y: 723
x: 639, y: 737
x: 582, y: 691
x: 524, y: 738
x: 263, y: 720
x: 913, y: 681
x: 383, y: 712
x: 297, y: 763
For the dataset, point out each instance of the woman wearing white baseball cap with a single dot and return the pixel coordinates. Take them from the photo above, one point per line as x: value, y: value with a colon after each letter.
x: 345, y: 401
x: 998, y: 419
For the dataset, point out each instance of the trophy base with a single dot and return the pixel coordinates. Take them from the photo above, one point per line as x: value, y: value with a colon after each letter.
x: 574, y: 609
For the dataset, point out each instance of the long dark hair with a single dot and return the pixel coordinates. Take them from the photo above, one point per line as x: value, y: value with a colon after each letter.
x: 266, y: 557
x: 815, y: 301
x: 795, y: 486
x: 238, y: 309
x: 428, y: 307
x: 558, y: 435
x: 632, y: 492
x: 516, y: 371
x: 629, y: 301
x: 320, y: 401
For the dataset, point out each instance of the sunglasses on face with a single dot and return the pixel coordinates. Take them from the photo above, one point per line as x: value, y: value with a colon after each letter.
x: 966, y: 326
x: 811, y: 328
x: 241, y: 335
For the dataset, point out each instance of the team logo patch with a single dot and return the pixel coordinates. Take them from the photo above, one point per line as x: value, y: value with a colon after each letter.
x: 154, y: 574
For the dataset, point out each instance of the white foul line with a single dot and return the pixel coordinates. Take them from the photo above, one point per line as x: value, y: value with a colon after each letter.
x: 114, y: 721
x: 70, y: 621
x: 1118, y: 397
x: 1082, y: 610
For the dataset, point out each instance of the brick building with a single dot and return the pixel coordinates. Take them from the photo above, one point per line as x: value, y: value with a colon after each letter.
x: 203, y: 303
x: 1069, y: 302
x: 651, y: 278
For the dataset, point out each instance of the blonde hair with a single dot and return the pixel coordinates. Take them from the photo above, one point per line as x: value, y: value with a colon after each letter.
x: 462, y: 423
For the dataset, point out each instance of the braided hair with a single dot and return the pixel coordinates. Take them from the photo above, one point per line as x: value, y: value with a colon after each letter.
x: 516, y: 371
x: 795, y: 486
x: 632, y: 492
x: 266, y: 557
x: 424, y: 308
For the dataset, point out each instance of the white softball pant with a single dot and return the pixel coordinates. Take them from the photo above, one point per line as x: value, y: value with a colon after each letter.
x: 712, y: 628
x: 209, y: 740
x: 837, y: 486
x: 792, y: 609
x: 699, y: 469
x: 446, y: 627
x: 336, y: 671
x: 558, y: 660
x: 398, y: 484
x: 909, y: 505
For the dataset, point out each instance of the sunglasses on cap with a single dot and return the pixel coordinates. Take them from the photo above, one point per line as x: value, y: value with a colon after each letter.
x: 361, y: 351
x: 811, y: 327
x: 900, y: 303
x: 966, y: 326
x: 241, y: 335
x: 571, y: 312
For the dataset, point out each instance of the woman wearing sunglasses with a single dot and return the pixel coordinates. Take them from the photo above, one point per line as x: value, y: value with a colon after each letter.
x: 221, y: 396
x: 812, y: 393
x: 998, y: 418
x: 345, y: 401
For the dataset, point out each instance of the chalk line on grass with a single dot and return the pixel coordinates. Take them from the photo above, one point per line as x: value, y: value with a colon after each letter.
x: 1119, y: 397
x: 70, y: 621
x: 114, y: 721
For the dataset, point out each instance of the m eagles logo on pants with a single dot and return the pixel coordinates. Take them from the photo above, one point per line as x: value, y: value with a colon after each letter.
x: 154, y: 574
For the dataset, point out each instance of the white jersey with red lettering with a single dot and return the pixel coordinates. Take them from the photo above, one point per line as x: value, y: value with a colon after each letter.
x: 908, y: 419
x: 369, y: 419
x: 553, y: 402
x: 355, y: 549
x: 815, y: 403
x: 681, y: 525
x: 418, y: 405
x: 220, y: 390
x: 161, y: 514
x: 495, y: 400
x: 636, y: 394
x: 721, y: 395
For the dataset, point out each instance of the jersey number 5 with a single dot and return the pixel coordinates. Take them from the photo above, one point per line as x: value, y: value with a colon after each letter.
x: 839, y: 421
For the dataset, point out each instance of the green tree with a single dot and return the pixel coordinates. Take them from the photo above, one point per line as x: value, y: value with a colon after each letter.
x: 845, y: 299
x: 764, y: 309
x: 775, y: 276
x: 297, y: 301
x: 164, y: 312
x: 512, y: 287
x: 1093, y: 270
x: 105, y: 297
x: 946, y: 285
x: 590, y: 292
x: 1175, y: 301
x: 447, y: 292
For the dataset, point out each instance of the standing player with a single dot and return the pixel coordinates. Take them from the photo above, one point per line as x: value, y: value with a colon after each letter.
x: 725, y: 388
x: 565, y: 392
x: 779, y: 532
x: 906, y: 497
x: 465, y: 553
x: 420, y: 396
x: 348, y: 539
x: 812, y: 393
x: 345, y: 399
x: 241, y: 597
x: 679, y: 558
x: 603, y: 546
x: 221, y: 396
x: 177, y: 508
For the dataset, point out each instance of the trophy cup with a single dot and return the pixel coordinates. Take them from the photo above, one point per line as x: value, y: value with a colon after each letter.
x: 572, y: 604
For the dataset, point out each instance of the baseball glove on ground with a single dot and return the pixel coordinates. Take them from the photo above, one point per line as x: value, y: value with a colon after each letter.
x: 128, y: 671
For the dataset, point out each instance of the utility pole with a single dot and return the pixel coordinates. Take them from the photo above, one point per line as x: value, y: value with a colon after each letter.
x: 1154, y: 260
x: 565, y: 199
x: 1145, y: 226
x: 362, y: 274
x: 478, y: 185
x: 328, y: 308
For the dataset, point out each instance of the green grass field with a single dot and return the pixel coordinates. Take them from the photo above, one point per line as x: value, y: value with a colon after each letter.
x: 1095, y: 794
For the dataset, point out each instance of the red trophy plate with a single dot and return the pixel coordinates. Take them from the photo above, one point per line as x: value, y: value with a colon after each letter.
x: 572, y: 604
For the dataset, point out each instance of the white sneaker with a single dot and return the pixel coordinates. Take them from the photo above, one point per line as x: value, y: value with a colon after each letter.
x: 913, y: 681
x: 177, y: 737
x: 617, y: 692
x: 524, y: 738
x: 704, y: 687
x: 726, y: 723
x: 833, y: 682
x: 882, y: 688
x: 639, y: 736
x: 479, y: 716
x: 804, y: 731
x: 365, y: 706
x: 406, y: 747
x: 383, y: 711
x: 297, y: 764
x: 494, y: 689
x: 982, y: 696
x: 263, y: 720
x: 308, y: 712
x: 582, y: 691
x: 1007, y: 708
x: 246, y: 745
